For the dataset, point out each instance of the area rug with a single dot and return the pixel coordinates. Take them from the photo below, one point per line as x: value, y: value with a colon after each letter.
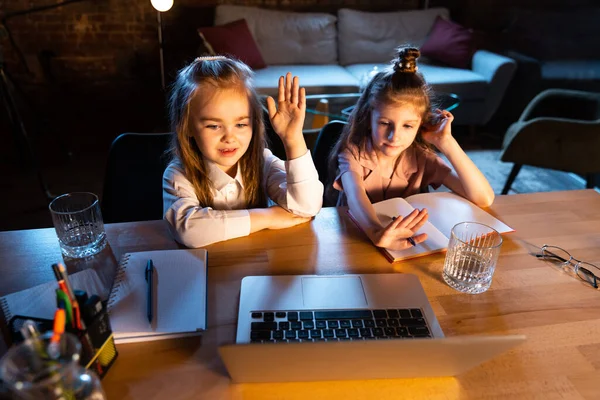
x: 529, y: 180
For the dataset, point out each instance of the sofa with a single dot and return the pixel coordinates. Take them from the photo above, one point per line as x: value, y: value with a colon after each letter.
x: 335, y: 53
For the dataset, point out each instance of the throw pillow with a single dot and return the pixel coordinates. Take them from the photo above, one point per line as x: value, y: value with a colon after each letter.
x: 286, y: 37
x: 234, y: 39
x: 449, y: 43
x: 372, y: 37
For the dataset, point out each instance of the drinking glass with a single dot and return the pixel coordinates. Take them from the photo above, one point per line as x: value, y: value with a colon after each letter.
x: 78, y: 223
x: 471, y: 258
x: 30, y: 372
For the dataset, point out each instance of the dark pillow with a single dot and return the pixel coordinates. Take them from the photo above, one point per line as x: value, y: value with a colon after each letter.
x: 234, y: 39
x: 449, y: 43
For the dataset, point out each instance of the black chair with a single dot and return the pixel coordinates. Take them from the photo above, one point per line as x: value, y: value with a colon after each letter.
x: 133, y: 180
x: 559, y: 129
x: 327, y: 138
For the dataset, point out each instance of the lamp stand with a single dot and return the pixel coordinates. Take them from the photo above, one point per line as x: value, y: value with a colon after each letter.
x: 160, y: 49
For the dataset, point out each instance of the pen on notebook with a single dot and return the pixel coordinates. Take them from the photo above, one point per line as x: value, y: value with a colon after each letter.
x: 149, y: 283
x: 410, y: 239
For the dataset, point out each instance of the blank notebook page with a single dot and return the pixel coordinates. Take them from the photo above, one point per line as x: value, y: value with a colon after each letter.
x: 179, y: 294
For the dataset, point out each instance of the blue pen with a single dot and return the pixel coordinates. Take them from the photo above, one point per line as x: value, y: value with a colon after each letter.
x: 149, y: 281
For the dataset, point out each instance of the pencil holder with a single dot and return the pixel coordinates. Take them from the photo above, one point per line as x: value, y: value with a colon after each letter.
x: 98, y: 350
x: 47, y: 368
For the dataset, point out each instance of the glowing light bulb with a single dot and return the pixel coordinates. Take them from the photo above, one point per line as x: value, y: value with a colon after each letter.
x: 162, y: 5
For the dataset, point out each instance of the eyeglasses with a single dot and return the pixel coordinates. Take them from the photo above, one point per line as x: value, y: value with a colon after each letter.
x: 561, y: 256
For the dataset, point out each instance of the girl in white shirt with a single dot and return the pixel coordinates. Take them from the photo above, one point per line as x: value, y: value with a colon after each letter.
x: 221, y: 179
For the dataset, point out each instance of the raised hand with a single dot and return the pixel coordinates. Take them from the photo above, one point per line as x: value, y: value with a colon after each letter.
x: 287, y: 117
x: 398, y: 234
x: 440, y: 132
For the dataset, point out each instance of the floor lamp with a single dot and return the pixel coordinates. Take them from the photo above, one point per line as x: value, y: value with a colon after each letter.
x: 161, y: 6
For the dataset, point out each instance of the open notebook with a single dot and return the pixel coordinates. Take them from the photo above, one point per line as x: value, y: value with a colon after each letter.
x: 180, y: 295
x: 445, y: 210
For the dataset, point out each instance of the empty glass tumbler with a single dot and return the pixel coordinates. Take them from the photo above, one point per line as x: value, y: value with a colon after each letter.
x: 472, y: 256
x: 78, y: 223
x: 34, y: 369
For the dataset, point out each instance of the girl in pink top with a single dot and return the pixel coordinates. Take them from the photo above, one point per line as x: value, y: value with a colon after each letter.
x: 385, y: 151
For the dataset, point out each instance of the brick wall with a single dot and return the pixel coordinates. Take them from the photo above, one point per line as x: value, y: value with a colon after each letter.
x: 80, y: 40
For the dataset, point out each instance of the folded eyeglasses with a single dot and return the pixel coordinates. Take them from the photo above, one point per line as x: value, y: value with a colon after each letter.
x: 582, y: 269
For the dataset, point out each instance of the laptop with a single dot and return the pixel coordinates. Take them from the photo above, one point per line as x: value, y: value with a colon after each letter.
x: 373, y: 326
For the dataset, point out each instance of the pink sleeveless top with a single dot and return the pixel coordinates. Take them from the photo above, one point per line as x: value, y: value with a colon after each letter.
x: 416, y: 171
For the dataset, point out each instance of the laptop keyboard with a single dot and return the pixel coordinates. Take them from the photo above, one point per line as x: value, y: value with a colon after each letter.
x: 337, y: 325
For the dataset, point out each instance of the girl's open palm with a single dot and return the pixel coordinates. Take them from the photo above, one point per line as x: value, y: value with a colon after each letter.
x: 287, y: 117
x: 395, y: 235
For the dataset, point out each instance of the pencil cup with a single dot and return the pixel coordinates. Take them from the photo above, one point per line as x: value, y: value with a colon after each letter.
x: 37, y: 369
x: 78, y: 223
x: 472, y: 256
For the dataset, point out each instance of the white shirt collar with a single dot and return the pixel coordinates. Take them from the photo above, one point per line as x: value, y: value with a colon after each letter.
x: 219, y: 178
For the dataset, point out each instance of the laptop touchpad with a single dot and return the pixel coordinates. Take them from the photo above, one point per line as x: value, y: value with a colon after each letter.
x: 333, y: 292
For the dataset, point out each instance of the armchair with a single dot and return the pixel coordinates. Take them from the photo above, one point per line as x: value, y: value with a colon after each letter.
x: 559, y: 129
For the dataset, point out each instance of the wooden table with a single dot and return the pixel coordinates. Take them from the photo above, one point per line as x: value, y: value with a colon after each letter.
x: 559, y: 314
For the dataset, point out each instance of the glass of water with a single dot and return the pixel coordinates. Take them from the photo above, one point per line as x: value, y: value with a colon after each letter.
x: 472, y: 256
x: 78, y: 223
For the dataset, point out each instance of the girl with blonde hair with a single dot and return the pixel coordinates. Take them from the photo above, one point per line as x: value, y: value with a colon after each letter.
x: 222, y: 182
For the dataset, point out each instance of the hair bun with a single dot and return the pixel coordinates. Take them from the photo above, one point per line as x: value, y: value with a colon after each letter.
x: 210, y: 58
x: 407, y: 60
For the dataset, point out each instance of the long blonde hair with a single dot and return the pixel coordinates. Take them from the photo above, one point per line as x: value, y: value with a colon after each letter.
x: 398, y: 84
x: 220, y: 73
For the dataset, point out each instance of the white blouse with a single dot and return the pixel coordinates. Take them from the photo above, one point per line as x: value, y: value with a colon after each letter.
x: 293, y: 184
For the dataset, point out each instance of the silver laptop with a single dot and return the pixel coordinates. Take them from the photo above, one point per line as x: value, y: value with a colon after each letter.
x: 372, y: 326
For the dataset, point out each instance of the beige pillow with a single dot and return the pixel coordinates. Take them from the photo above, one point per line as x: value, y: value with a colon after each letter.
x: 287, y: 37
x: 368, y: 37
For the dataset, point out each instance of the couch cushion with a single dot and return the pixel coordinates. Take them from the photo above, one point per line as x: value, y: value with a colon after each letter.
x: 449, y: 43
x: 463, y: 82
x: 317, y: 79
x: 287, y: 37
x: 234, y: 39
x: 367, y: 37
